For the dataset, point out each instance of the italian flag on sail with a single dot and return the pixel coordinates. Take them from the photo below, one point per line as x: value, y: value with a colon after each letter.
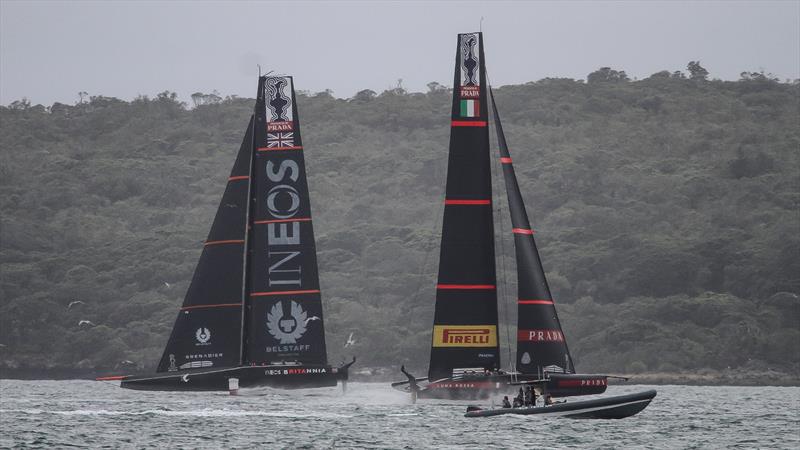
x: 470, y: 108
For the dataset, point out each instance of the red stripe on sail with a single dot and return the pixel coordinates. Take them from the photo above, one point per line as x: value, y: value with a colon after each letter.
x: 229, y: 241
x: 521, y: 231
x: 263, y: 294
x: 218, y: 305
x: 112, y: 378
x: 296, y: 219
x: 464, y: 286
x: 468, y: 123
x: 240, y: 177
x: 505, y: 160
x: 467, y: 202
x: 535, y: 302
x: 275, y: 149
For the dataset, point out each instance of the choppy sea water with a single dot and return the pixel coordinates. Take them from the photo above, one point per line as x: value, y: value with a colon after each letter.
x: 372, y: 415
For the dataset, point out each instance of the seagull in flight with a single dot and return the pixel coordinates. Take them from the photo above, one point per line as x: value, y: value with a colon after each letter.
x: 350, y: 341
x: 310, y: 319
x: 167, y: 285
x: 75, y: 303
x: 85, y: 322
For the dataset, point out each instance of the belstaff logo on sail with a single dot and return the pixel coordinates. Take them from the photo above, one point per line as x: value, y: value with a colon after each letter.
x: 287, y: 329
x: 464, y: 336
x: 279, y: 104
x: 203, y: 335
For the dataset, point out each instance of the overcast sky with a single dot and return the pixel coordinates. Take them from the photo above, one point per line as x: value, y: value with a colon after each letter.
x: 50, y: 50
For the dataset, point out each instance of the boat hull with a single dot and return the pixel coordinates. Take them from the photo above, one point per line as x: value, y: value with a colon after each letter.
x: 466, y: 387
x: 617, y: 407
x: 284, y: 377
x: 480, y: 386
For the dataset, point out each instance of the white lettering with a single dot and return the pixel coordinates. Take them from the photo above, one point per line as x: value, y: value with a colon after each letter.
x: 286, y: 164
x: 294, y: 196
x: 277, y: 234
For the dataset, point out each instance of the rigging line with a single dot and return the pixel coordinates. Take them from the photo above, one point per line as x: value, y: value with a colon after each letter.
x: 423, y: 268
x: 503, y: 296
x: 502, y: 244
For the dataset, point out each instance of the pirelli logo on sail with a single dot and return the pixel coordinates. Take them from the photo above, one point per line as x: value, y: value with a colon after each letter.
x: 465, y: 336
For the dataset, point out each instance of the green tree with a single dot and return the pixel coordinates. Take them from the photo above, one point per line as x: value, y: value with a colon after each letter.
x: 607, y: 75
x: 696, y: 71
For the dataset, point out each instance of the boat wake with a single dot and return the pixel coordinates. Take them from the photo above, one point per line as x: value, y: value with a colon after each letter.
x: 194, y: 413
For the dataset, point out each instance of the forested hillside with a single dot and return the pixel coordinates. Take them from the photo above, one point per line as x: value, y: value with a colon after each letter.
x: 666, y: 212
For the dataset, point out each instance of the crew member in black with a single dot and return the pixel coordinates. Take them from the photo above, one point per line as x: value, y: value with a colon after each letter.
x: 506, y: 403
x: 527, y: 396
x: 519, y: 400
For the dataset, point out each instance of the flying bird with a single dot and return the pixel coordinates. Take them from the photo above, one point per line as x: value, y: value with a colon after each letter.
x: 85, y: 322
x: 350, y: 341
x: 167, y: 285
x: 75, y: 303
x: 310, y: 319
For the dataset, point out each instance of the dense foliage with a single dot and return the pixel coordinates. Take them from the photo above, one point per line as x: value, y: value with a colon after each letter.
x: 666, y: 212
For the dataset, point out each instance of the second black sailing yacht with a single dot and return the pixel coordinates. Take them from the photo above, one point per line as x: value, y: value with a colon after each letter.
x: 465, y: 351
x: 253, y: 311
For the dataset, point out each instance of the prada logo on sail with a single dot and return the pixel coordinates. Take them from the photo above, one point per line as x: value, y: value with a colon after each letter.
x: 465, y: 336
x: 283, y: 202
x: 279, y: 104
x: 540, y: 336
x: 470, y: 60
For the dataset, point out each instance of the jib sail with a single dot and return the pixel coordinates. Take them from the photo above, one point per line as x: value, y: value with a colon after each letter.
x: 465, y: 321
x: 284, y: 322
x: 207, y: 332
x: 541, y: 345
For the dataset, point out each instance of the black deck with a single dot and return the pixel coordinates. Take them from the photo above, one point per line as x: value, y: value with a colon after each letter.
x: 285, y: 377
x: 479, y: 386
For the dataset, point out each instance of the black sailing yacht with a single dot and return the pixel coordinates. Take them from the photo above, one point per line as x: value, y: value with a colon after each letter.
x: 253, y: 311
x: 465, y: 353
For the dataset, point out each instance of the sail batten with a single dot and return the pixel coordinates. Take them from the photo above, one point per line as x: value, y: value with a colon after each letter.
x: 541, y: 345
x: 465, y: 318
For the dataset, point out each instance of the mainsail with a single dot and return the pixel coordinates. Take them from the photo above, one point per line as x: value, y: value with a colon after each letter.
x: 465, y: 321
x: 541, y: 345
x: 207, y: 332
x: 284, y: 311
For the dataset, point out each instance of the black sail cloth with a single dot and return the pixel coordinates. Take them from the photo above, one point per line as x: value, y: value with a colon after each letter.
x: 284, y: 311
x: 207, y: 332
x: 465, y: 319
x: 541, y: 345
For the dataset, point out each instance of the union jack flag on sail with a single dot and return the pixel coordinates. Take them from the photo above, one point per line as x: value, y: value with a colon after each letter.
x: 280, y: 139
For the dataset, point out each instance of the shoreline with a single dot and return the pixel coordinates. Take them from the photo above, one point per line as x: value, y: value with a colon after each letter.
x: 705, y: 378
